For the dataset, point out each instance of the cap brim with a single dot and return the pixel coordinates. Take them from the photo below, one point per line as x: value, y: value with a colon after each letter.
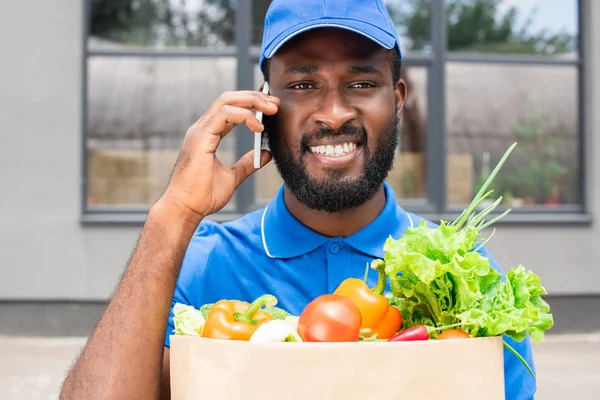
x: 369, y: 31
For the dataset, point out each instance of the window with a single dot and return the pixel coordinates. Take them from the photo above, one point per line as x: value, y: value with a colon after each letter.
x: 481, y: 74
x: 512, y: 74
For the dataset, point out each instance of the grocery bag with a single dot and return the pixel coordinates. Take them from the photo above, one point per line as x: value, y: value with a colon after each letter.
x: 460, y: 369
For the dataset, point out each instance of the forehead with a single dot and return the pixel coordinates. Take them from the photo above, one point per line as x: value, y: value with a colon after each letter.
x: 329, y: 45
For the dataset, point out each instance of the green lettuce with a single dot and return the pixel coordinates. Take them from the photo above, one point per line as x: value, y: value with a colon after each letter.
x: 438, y: 277
x: 187, y: 320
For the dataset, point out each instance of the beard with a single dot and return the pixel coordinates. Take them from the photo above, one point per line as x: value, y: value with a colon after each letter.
x: 336, y: 193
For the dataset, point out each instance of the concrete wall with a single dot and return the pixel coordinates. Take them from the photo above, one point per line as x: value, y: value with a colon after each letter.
x: 45, y: 253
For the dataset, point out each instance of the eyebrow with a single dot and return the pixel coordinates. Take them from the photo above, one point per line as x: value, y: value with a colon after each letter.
x: 363, y: 69
x: 301, y: 69
x: 311, y: 69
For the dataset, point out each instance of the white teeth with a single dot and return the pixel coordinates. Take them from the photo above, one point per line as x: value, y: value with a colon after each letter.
x: 331, y: 150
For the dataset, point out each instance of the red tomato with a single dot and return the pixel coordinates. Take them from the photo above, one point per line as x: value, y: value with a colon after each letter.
x: 453, y: 334
x: 330, y: 318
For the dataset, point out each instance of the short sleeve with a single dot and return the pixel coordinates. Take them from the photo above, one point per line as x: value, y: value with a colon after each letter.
x: 190, y: 281
x: 519, y: 384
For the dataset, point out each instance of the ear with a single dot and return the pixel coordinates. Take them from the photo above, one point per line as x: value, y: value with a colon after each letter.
x: 400, y: 92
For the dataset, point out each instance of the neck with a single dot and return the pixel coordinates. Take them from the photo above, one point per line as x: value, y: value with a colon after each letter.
x: 339, y: 224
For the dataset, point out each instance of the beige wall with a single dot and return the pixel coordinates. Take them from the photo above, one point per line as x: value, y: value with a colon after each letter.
x: 45, y: 253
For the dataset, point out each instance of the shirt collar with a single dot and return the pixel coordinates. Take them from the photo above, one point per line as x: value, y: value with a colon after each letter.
x: 392, y: 221
x: 283, y: 236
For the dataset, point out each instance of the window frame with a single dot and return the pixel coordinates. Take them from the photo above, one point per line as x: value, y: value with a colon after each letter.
x: 434, y: 206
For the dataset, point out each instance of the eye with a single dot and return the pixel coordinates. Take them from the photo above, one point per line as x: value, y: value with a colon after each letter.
x: 362, y: 85
x: 302, y: 86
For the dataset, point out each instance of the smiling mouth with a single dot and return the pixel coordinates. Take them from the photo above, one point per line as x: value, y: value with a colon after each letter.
x: 334, y: 150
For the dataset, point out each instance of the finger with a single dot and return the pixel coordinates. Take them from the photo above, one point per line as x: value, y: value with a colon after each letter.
x: 252, y: 100
x: 223, y: 122
x: 244, y: 167
x: 249, y: 100
x: 228, y: 116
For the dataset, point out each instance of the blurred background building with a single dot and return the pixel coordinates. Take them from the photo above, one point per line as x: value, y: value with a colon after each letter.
x: 96, y: 96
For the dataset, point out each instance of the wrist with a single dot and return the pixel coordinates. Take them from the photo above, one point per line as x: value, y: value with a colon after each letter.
x: 174, y: 215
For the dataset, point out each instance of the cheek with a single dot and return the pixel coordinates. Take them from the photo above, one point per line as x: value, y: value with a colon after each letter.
x: 291, y: 113
x: 384, y: 105
x: 288, y: 125
x: 377, y: 121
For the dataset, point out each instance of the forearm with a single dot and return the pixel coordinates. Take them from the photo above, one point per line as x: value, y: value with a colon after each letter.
x: 123, y: 358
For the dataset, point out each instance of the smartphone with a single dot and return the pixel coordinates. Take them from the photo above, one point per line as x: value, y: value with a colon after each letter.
x: 258, y: 135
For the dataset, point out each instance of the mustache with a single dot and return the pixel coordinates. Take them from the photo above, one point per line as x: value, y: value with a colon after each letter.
x: 358, y: 133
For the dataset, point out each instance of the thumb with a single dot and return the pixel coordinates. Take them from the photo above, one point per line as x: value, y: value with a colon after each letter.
x: 244, y: 167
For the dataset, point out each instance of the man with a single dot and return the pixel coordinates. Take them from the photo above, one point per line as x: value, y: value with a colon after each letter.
x: 331, y: 122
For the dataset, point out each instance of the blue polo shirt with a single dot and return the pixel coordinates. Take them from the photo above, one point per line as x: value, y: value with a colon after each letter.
x: 270, y: 251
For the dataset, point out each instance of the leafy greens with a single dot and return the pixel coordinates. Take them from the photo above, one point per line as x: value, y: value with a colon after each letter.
x: 438, y: 277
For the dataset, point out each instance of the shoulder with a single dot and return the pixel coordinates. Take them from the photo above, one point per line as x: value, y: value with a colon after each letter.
x: 213, y: 236
x: 218, y: 240
x: 248, y: 224
x: 415, y: 220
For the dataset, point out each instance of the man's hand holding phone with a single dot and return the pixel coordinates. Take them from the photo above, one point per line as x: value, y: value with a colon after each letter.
x: 200, y: 184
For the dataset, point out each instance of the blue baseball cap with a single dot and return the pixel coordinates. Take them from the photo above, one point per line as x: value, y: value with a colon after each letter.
x: 287, y: 18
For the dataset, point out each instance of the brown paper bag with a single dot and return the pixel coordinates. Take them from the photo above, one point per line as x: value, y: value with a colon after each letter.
x: 461, y: 369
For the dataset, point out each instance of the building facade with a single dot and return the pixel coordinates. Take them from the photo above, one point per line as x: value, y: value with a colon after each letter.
x: 91, y: 127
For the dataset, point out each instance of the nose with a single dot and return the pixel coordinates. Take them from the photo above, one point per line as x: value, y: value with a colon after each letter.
x: 333, y: 110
